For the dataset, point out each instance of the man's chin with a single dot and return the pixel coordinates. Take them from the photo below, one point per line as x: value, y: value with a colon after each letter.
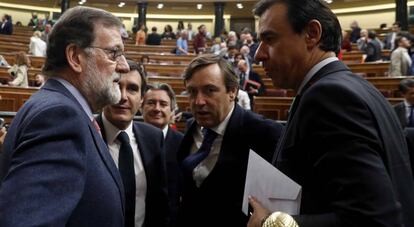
x: 205, y: 122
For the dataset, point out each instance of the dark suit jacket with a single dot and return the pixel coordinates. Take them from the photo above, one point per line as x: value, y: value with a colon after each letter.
x: 344, y: 145
x: 409, y: 133
x: 373, y: 51
x: 153, y: 39
x: 150, y: 143
x: 7, y: 29
x: 55, y: 168
x: 218, y: 201
x: 171, y: 145
x: 402, y: 116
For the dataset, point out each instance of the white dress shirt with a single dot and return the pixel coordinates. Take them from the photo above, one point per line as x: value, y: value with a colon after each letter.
x: 243, y: 99
x: 111, y: 132
x: 203, y: 169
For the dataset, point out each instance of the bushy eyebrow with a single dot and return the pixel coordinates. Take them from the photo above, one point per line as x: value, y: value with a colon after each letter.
x: 265, y: 34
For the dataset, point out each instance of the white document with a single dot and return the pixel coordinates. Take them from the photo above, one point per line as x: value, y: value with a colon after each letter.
x: 272, y: 188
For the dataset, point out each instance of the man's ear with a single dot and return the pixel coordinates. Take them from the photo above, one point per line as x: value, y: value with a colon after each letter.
x: 313, y: 33
x: 73, y: 57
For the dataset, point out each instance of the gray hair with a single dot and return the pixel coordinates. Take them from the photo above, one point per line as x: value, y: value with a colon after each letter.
x: 75, y: 26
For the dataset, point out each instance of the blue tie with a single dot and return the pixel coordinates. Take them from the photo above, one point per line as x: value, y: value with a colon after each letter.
x: 411, y: 117
x: 193, y: 160
x: 126, y: 168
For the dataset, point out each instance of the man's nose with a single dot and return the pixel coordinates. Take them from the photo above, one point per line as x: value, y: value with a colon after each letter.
x: 122, y: 65
x: 261, y: 53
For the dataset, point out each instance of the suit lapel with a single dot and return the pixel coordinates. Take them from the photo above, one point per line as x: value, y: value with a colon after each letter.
x: 326, y: 70
x: 99, y: 142
x: 142, y: 146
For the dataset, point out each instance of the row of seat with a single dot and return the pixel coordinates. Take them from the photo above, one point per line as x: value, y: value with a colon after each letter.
x: 271, y: 107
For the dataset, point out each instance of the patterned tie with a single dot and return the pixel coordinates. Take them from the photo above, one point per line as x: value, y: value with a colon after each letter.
x: 411, y: 117
x: 193, y: 160
x: 126, y: 168
x: 96, y: 125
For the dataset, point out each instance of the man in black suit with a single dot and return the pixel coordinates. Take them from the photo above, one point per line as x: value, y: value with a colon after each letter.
x: 343, y: 143
x: 373, y: 50
x: 404, y: 110
x: 6, y: 27
x: 250, y: 81
x: 154, y: 38
x: 214, y: 152
x: 158, y: 107
x: 147, y: 194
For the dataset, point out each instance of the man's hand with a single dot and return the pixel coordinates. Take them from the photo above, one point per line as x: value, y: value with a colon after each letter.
x: 2, y: 136
x: 259, y: 212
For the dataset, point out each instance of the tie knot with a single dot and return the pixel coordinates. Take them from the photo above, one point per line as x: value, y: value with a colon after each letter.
x: 123, y: 137
x: 208, y: 134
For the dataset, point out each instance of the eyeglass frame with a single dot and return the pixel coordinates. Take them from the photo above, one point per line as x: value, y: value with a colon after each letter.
x: 113, y: 53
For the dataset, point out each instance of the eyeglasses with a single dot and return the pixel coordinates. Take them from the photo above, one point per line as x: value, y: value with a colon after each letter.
x: 113, y: 54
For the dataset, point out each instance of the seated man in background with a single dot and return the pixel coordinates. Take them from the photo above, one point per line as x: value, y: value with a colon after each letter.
x: 405, y: 109
x: 182, y: 44
x: 39, y: 80
x: 37, y: 47
x: 136, y: 148
x: 250, y: 81
x: 158, y: 109
x: 373, y: 50
x: 154, y: 38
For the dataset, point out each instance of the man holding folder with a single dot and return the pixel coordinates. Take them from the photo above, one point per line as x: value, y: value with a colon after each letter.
x: 343, y: 143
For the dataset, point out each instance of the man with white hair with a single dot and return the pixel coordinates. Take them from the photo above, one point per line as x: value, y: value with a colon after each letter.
x: 37, y: 46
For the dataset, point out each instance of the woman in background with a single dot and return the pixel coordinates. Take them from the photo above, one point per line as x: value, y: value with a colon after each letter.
x: 19, y: 70
x: 141, y: 35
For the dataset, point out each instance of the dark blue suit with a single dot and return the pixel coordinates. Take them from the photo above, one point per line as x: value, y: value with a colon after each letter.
x: 7, y: 28
x: 55, y: 168
x: 171, y: 145
x: 150, y: 142
x: 345, y: 147
x: 218, y: 201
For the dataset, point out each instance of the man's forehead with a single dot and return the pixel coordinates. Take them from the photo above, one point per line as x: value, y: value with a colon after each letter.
x: 132, y: 75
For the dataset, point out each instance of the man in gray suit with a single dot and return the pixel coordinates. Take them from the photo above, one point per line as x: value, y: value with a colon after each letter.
x: 404, y: 109
x: 389, y: 41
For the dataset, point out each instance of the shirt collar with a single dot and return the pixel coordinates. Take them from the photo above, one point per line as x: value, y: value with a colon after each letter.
x: 165, y: 131
x: 78, y: 96
x: 111, y: 131
x: 221, y: 128
x: 314, y: 70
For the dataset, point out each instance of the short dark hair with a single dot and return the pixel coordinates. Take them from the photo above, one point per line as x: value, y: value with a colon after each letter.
x: 154, y: 29
x: 405, y: 85
x: 135, y: 66
x: 164, y: 87
x: 301, y: 12
x: 75, y: 26
x: 397, y: 23
x: 372, y: 34
x: 202, y: 61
